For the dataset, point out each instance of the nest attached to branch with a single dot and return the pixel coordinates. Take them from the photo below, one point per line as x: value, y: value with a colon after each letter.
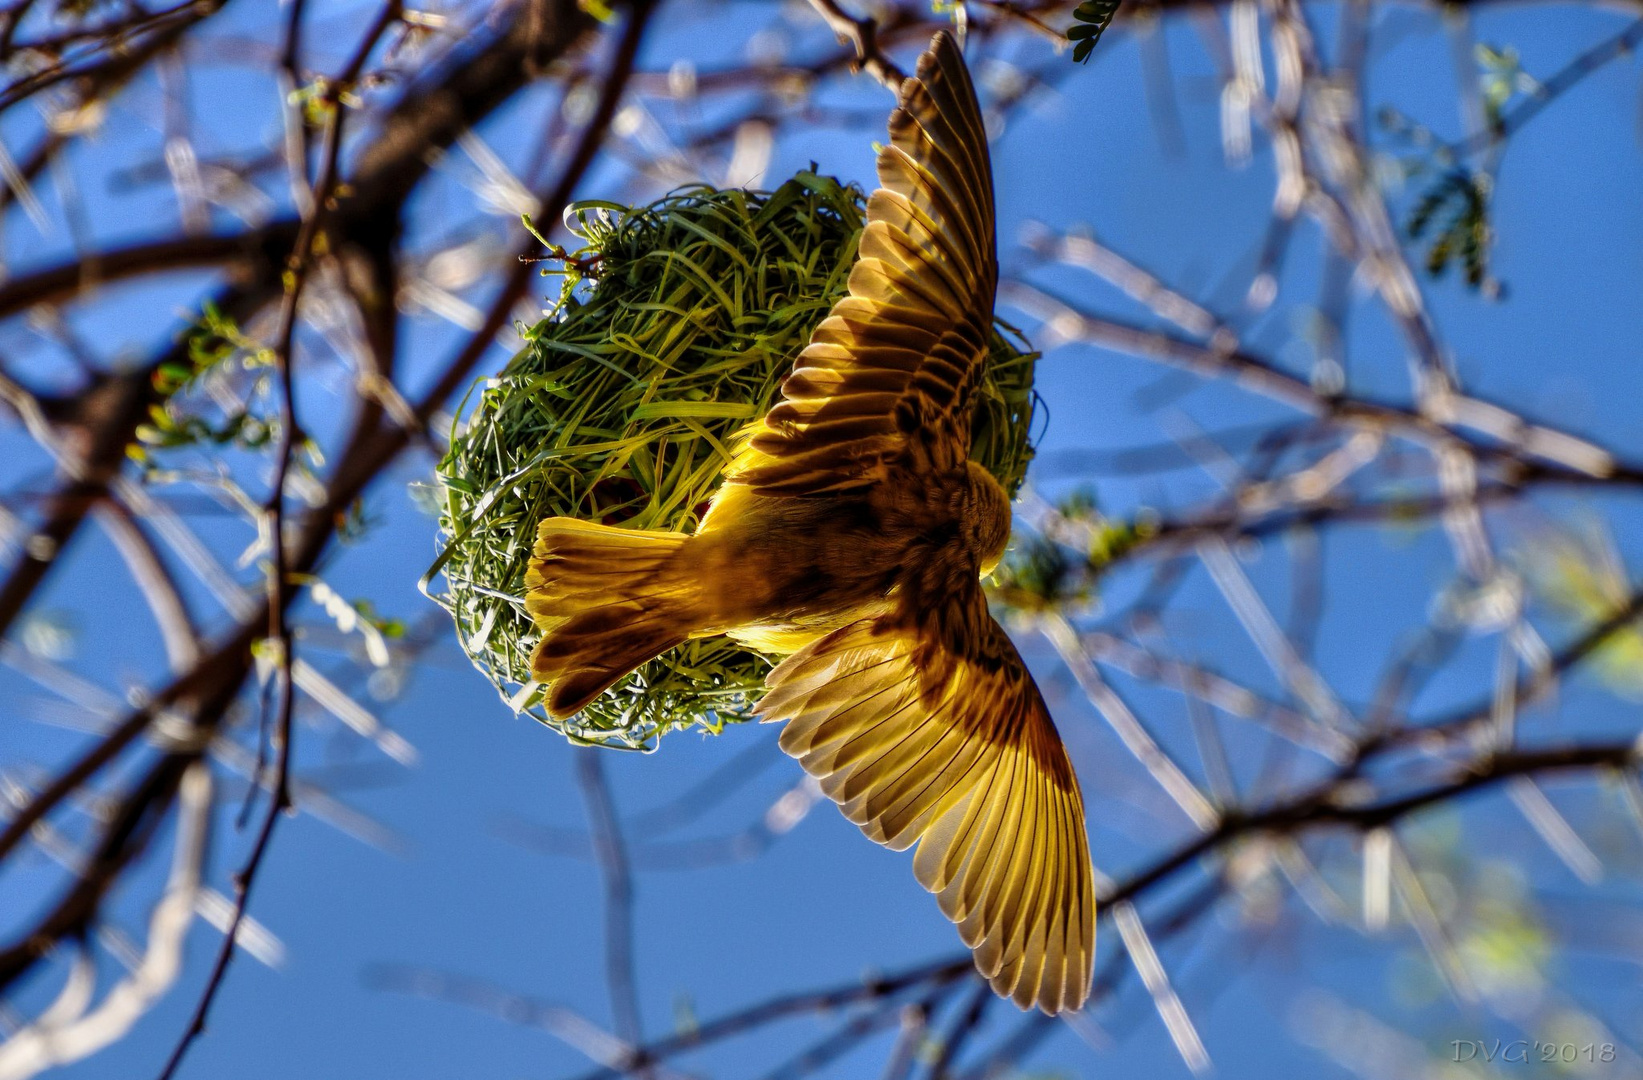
x: 676, y: 325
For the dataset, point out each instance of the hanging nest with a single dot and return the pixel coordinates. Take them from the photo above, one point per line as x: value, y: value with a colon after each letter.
x: 675, y: 327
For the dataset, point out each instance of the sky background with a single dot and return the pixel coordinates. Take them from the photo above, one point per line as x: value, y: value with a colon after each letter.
x: 450, y: 888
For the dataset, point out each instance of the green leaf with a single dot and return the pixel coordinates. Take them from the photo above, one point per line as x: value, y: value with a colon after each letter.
x: 1092, y: 19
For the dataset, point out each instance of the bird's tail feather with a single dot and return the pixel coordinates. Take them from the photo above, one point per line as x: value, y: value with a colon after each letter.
x: 608, y: 600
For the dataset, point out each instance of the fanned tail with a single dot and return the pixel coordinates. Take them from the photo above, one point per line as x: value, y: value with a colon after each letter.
x: 607, y: 600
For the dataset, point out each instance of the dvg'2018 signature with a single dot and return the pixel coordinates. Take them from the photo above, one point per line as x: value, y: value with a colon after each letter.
x: 1527, y: 1050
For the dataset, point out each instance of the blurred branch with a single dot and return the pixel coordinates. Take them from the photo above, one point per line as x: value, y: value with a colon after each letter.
x: 1554, y: 86
x: 611, y: 855
x: 775, y: 821
x: 154, y: 578
x: 723, y: 781
x: 962, y: 1029
x: 1215, y: 689
x: 863, y: 34
x: 565, y: 1024
x: 782, y: 1006
x: 94, y: 453
x: 849, y: 1035
x: 938, y: 979
x: 76, y: 278
x: 915, y: 1025
x: 128, y: 45
x: 1457, y: 727
x: 60, y: 1039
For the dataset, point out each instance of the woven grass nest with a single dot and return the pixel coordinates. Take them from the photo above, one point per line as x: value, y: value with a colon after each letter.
x: 676, y: 324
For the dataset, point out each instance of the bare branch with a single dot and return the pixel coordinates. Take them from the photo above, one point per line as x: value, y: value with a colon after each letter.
x: 863, y: 34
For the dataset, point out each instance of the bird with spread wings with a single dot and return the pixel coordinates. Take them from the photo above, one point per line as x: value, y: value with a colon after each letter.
x: 849, y: 535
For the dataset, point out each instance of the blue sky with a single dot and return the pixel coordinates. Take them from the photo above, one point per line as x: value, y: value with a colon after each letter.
x: 823, y: 906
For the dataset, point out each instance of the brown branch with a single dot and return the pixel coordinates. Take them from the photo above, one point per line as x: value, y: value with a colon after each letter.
x: 278, y: 592
x: 777, y: 1008
x: 435, y: 111
x: 835, y: 1044
x: 1460, y: 725
x: 370, y: 259
x: 74, y: 278
x: 214, y: 680
x: 369, y: 220
x: 105, y: 79
x: 279, y: 585
x: 941, y: 978
x: 14, y: 16
x: 1262, y: 376
x: 70, y: 780
x: 112, y: 409
x: 29, y: 167
x: 163, y: 29
x: 1025, y: 15
x: 124, y: 838
x: 389, y: 168
x: 112, y: 36
x: 863, y: 34
x: 96, y: 428
x: 291, y: 49
x: 1555, y: 86
x: 369, y: 448
x: 1322, y: 805
x: 460, y: 367
x: 1171, y: 537
x: 246, y: 877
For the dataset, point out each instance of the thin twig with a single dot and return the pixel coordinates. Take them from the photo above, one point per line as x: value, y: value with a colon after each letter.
x: 776, y: 1008
x: 279, y: 600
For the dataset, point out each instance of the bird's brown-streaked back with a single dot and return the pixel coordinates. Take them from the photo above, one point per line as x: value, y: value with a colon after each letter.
x: 921, y: 721
x: 850, y: 532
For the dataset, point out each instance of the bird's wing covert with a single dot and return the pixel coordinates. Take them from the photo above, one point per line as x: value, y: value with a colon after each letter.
x: 954, y: 751
x: 887, y: 376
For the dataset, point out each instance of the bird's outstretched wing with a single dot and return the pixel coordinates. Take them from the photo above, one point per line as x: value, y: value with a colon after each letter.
x: 886, y: 378
x: 936, y: 734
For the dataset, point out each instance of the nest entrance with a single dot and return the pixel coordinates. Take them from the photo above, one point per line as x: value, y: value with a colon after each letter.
x: 675, y: 326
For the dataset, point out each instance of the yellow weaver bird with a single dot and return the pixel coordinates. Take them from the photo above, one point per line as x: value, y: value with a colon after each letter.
x: 850, y: 533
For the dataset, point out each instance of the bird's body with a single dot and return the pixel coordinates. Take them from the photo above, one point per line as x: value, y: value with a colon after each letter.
x: 776, y: 573
x: 849, y: 535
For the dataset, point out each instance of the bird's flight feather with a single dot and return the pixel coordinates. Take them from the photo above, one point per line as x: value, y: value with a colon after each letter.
x: 887, y: 377
x: 954, y: 750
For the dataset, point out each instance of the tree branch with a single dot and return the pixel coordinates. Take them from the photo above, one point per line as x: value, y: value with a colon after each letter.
x: 863, y: 34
